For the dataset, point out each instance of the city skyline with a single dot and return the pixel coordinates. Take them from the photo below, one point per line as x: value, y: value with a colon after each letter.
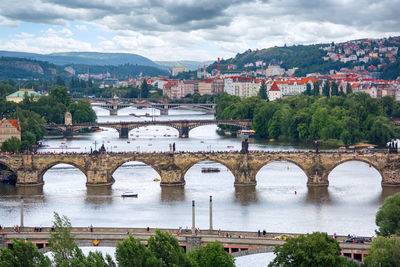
x: 188, y: 30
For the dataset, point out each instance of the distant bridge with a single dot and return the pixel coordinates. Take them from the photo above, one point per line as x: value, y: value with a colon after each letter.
x: 114, y: 104
x: 183, y: 126
x: 238, y: 243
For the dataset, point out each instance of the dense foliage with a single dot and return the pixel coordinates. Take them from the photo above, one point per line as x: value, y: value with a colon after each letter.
x: 33, y: 114
x: 347, y: 119
x: 316, y: 249
x: 384, y: 252
x: 388, y: 216
x: 23, y: 254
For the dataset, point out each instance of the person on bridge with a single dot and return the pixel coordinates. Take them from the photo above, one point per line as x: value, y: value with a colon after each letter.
x: 173, y: 147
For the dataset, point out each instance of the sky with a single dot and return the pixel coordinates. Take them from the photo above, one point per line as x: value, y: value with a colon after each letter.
x: 189, y: 29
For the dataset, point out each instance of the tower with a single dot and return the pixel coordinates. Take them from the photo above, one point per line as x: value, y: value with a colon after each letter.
x: 68, y: 118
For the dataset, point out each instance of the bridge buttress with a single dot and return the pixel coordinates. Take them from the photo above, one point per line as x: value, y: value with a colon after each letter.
x: 390, y: 171
x: 113, y: 112
x: 124, y: 132
x: 163, y: 111
x: 28, y: 177
x: 244, y: 174
x: 69, y: 132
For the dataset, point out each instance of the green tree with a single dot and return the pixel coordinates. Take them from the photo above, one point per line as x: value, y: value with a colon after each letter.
x: 144, y: 89
x: 388, y: 216
x: 60, y: 93
x: 381, y: 132
x: 383, y: 252
x: 263, y: 91
x: 82, y: 111
x: 132, y: 253
x: 308, y: 89
x: 165, y: 247
x: 61, y: 242
x: 334, y: 89
x: 23, y: 254
x: 315, y: 91
x: 326, y: 90
x: 349, y: 90
x: 60, y: 81
x: 11, y: 145
x: 316, y: 249
x: 212, y: 255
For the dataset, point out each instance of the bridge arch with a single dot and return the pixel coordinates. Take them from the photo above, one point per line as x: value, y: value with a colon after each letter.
x: 6, y: 167
x: 43, y: 170
x: 370, y: 163
x: 118, y: 164
x: 159, y: 125
x: 283, y: 160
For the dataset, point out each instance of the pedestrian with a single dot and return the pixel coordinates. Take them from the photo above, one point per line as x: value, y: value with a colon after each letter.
x: 173, y: 147
x: 91, y: 228
x: 264, y: 232
x: 259, y: 233
x: 148, y: 229
x: 334, y: 235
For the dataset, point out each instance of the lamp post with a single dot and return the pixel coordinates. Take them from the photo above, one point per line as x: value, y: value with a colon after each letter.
x: 22, y: 211
x: 211, y: 222
x: 193, y: 218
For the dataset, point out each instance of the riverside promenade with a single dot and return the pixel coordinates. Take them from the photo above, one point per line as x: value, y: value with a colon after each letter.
x: 239, y: 243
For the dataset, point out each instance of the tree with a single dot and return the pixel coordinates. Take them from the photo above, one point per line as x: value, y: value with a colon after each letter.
x: 165, y: 247
x: 334, y: 89
x: 144, y: 89
x: 263, y: 91
x: 388, y: 216
x: 60, y: 93
x: 383, y: 252
x: 349, y: 90
x: 11, y: 145
x: 132, y: 253
x: 316, y: 249
x: 23, y: 254
x: 82, y: 111
x: 381, y: 132
x: 326, y: 89
x: 62, y: 243
x: 213, y: 255
x: 315, y: 89
x: 60, y: 81
x: 308, y: 89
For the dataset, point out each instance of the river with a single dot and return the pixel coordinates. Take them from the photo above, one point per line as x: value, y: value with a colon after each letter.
x: 348, y: 205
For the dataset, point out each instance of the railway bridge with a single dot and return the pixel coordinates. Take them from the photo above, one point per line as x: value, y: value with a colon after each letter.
x: 99, y: 168
x: 123, y: 128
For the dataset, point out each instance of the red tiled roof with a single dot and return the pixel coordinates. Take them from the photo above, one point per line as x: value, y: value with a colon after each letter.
x: 274, y: 87
x: 14, y: 123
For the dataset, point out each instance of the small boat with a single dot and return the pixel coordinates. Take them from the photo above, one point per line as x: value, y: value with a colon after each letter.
x: 156, y: 179
x: 210, y: 169
x: 129, y: 194
x: 128, y: 142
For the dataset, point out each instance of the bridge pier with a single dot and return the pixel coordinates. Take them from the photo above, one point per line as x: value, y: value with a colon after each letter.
x: 317, y: 175
x: 113, y: 112
x: 184, y: 132
x: 390, y: 173
x: 28, y: 177
x: 69, y: 132
x: 124, y: 132
x: 164, y: 111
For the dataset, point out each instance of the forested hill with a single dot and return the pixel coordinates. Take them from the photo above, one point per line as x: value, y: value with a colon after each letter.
x: 381, y: 53
x: 16, y: 68
x: 88, y: 58
x: 21, y: 68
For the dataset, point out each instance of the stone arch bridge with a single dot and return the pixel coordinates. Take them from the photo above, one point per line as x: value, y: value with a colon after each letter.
x: 99, y: 168
x: 123, y: 128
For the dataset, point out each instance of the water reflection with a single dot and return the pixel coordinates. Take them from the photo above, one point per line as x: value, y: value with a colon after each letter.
x: 246, y: 195
x: 172, y: 193
x: 99, y: 194
x: 318, y: 195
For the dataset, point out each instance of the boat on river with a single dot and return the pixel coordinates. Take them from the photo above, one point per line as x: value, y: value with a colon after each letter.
x: 129, y: 194
x: 210, y: 169
x: 246, y: 133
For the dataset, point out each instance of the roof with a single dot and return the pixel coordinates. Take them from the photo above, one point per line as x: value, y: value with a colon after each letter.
x: 14, y: 123
x: 22, y: 94
x: 274, y: 87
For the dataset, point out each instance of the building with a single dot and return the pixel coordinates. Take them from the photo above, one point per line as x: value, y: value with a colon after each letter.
x: 274, y: 92
x: 20, y: 94
x: 246, y: 89
x: 181, y: 89
x: 217, y: 86
x: 8, y: 129
x: 177, y: 70
x: 229, y: 86
x: 273, y: 70
x: 205, y: 87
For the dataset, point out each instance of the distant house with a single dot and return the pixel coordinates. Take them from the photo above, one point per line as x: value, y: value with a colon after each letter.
x: 274, y: 92
x: 20, y: 94
x: 8, y: 129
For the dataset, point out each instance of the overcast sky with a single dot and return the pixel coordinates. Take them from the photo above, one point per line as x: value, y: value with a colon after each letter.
x: 189, y: 29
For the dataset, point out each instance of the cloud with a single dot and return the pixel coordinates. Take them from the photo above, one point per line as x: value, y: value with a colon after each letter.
x: 209, y: 28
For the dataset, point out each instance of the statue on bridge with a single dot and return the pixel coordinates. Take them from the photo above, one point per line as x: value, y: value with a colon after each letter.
x: 245, y: 147
x: 393, y: 148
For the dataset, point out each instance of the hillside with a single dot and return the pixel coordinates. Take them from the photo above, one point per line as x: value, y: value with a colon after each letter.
x: 381, y: 53
x: 18, y: 68
x: 88, y: 58
x: 122, y: 71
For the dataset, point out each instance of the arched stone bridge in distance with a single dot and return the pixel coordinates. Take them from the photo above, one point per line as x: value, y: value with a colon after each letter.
x: 99, y: 168
x: 123, y: 128
x: 115, y: 104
